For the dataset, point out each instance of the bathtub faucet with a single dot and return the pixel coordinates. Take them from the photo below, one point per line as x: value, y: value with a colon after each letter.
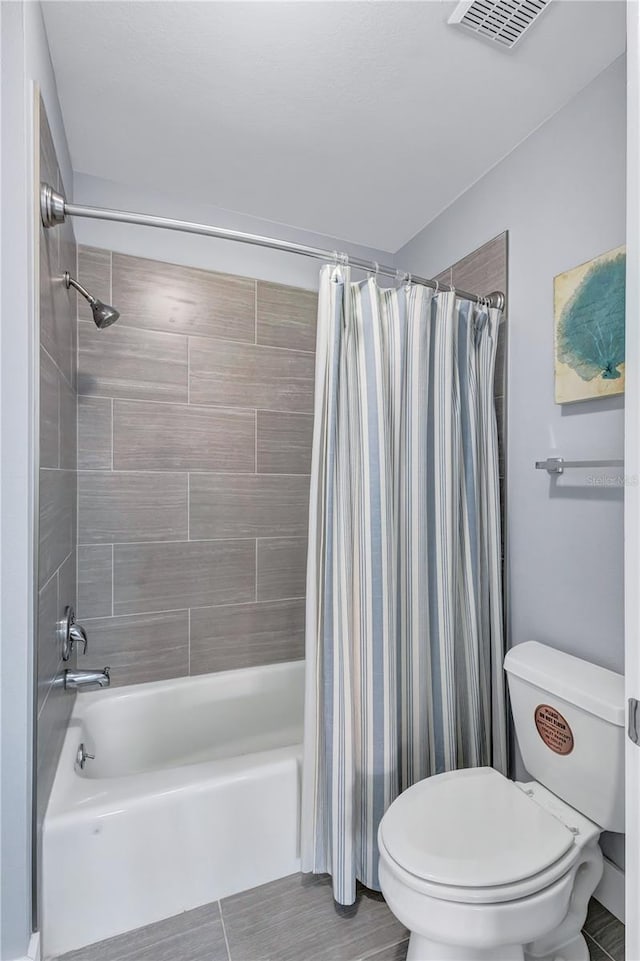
x: 74, y: 680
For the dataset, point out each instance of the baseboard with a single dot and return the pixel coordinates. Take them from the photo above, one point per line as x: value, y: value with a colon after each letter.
x: 610, y: 891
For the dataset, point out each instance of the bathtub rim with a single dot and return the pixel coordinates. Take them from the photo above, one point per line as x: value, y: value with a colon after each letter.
x: 73, y: 795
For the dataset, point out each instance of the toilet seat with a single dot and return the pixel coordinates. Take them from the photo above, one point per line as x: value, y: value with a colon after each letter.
x: 474, y: 836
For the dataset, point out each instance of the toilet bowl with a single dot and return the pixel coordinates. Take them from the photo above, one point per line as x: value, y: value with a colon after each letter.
x: 477, y: 866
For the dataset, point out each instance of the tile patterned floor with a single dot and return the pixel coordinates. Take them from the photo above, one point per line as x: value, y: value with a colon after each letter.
x: 296, y: 919
x: 604, y: 933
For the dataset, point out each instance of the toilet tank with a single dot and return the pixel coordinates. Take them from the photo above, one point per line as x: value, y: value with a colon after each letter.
x: 569, y: 721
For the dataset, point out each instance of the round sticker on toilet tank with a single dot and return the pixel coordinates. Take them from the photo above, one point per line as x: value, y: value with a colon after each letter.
x: 554, y: 729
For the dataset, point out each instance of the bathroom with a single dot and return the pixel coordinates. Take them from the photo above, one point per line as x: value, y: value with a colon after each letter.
x: 217, y: 269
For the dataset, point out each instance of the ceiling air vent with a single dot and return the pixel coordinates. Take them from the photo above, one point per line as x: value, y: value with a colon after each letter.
x: 504, y: 22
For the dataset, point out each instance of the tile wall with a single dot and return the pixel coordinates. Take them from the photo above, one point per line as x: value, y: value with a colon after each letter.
x: 194, y: 448
x: 57, y: 483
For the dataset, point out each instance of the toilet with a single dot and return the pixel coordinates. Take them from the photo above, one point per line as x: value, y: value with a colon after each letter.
x: 480, y: 867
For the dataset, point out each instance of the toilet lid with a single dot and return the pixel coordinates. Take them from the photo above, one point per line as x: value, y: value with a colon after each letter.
x: 472, y: 828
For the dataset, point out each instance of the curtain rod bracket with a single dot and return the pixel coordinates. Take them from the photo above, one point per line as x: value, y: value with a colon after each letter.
x: 496, y: 299
x: 52, y: 206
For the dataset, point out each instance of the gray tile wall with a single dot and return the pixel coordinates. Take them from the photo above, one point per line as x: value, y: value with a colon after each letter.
x: 57, y: 482
x: 481, y: 272
x: 194, y: 452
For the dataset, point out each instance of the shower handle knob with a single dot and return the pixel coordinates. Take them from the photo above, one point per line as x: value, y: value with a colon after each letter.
x: 70, y: 633
x: 78, y: 635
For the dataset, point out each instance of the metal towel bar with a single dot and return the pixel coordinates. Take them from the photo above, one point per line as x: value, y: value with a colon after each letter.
x: 557, y: 465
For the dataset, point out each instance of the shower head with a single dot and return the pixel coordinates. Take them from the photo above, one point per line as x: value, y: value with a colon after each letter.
x: 103, y: 314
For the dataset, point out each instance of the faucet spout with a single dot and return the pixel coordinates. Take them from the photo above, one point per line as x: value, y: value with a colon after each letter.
x: 76, y: 680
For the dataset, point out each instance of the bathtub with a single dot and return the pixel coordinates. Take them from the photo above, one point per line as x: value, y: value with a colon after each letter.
x: 194, y: 794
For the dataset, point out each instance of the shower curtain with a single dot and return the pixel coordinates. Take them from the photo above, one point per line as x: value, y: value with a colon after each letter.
x: 404, y: 640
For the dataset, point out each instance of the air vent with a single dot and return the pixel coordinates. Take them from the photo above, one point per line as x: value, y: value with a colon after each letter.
x: 504, y: 22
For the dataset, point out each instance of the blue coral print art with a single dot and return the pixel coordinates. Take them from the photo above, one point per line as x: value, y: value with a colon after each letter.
x: 589, y: 319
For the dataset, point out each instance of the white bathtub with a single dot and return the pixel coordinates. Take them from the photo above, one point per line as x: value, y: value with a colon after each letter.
x: 194, y: 794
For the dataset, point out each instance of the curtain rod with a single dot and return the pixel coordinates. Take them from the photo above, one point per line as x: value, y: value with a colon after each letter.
x: 54, y: 209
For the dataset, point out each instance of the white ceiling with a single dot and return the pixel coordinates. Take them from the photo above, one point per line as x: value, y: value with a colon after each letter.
x: 359, y: 120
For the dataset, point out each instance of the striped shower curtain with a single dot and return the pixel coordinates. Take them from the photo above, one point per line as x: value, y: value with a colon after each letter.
x: 404, y: 608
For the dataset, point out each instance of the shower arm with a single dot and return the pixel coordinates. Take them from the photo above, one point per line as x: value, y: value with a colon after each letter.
x: 54, y: 209
x: 72, y: 282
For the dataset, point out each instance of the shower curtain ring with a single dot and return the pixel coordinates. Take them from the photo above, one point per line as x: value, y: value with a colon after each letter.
x: 437, y: 283
x: 409, y: 277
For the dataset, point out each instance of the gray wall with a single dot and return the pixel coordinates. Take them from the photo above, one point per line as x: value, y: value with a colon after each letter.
x: 24, y: 63
x: 204, y: 252
x: 57, y: 483
x: 561, y: 196
x: 194, y: 442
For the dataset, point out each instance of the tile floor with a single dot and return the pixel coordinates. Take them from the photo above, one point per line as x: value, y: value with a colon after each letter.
x: 295, y: 919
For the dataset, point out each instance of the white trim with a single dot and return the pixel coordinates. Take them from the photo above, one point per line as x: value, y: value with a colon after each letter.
x: 632, y: 471
x: 610, y: 891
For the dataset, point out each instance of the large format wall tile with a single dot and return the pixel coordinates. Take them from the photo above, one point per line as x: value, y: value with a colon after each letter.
x: 94, y: 273
x: 58, y: 593
x: 57, y: 308
x: 49, y: 422
x: 224, y: 373
x: 68, y: 426
x: 48, y: 651
x: 94, y: 433
x: 286, y: 316
x: 500, y: 373
x: 124, y: 507
x: 247, y: 505
x: 164, y: 577
x: 57, y: 519
x: 282, y: 567
x: 244, y: 635
x: 48, y: 160
x: 57, y: 487
x: 284, y: 442
x: 67, y: 587
x: 194, y: 446
x: 122, y: 362
x: 67, y: 262
x: 484, y: 270
x: 141, y: 647
x: 160, y: 296
x: 95, y: 581
x: 174, y: 437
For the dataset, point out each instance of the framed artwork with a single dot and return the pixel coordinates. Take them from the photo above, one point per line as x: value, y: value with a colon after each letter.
x: 589, y: 328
